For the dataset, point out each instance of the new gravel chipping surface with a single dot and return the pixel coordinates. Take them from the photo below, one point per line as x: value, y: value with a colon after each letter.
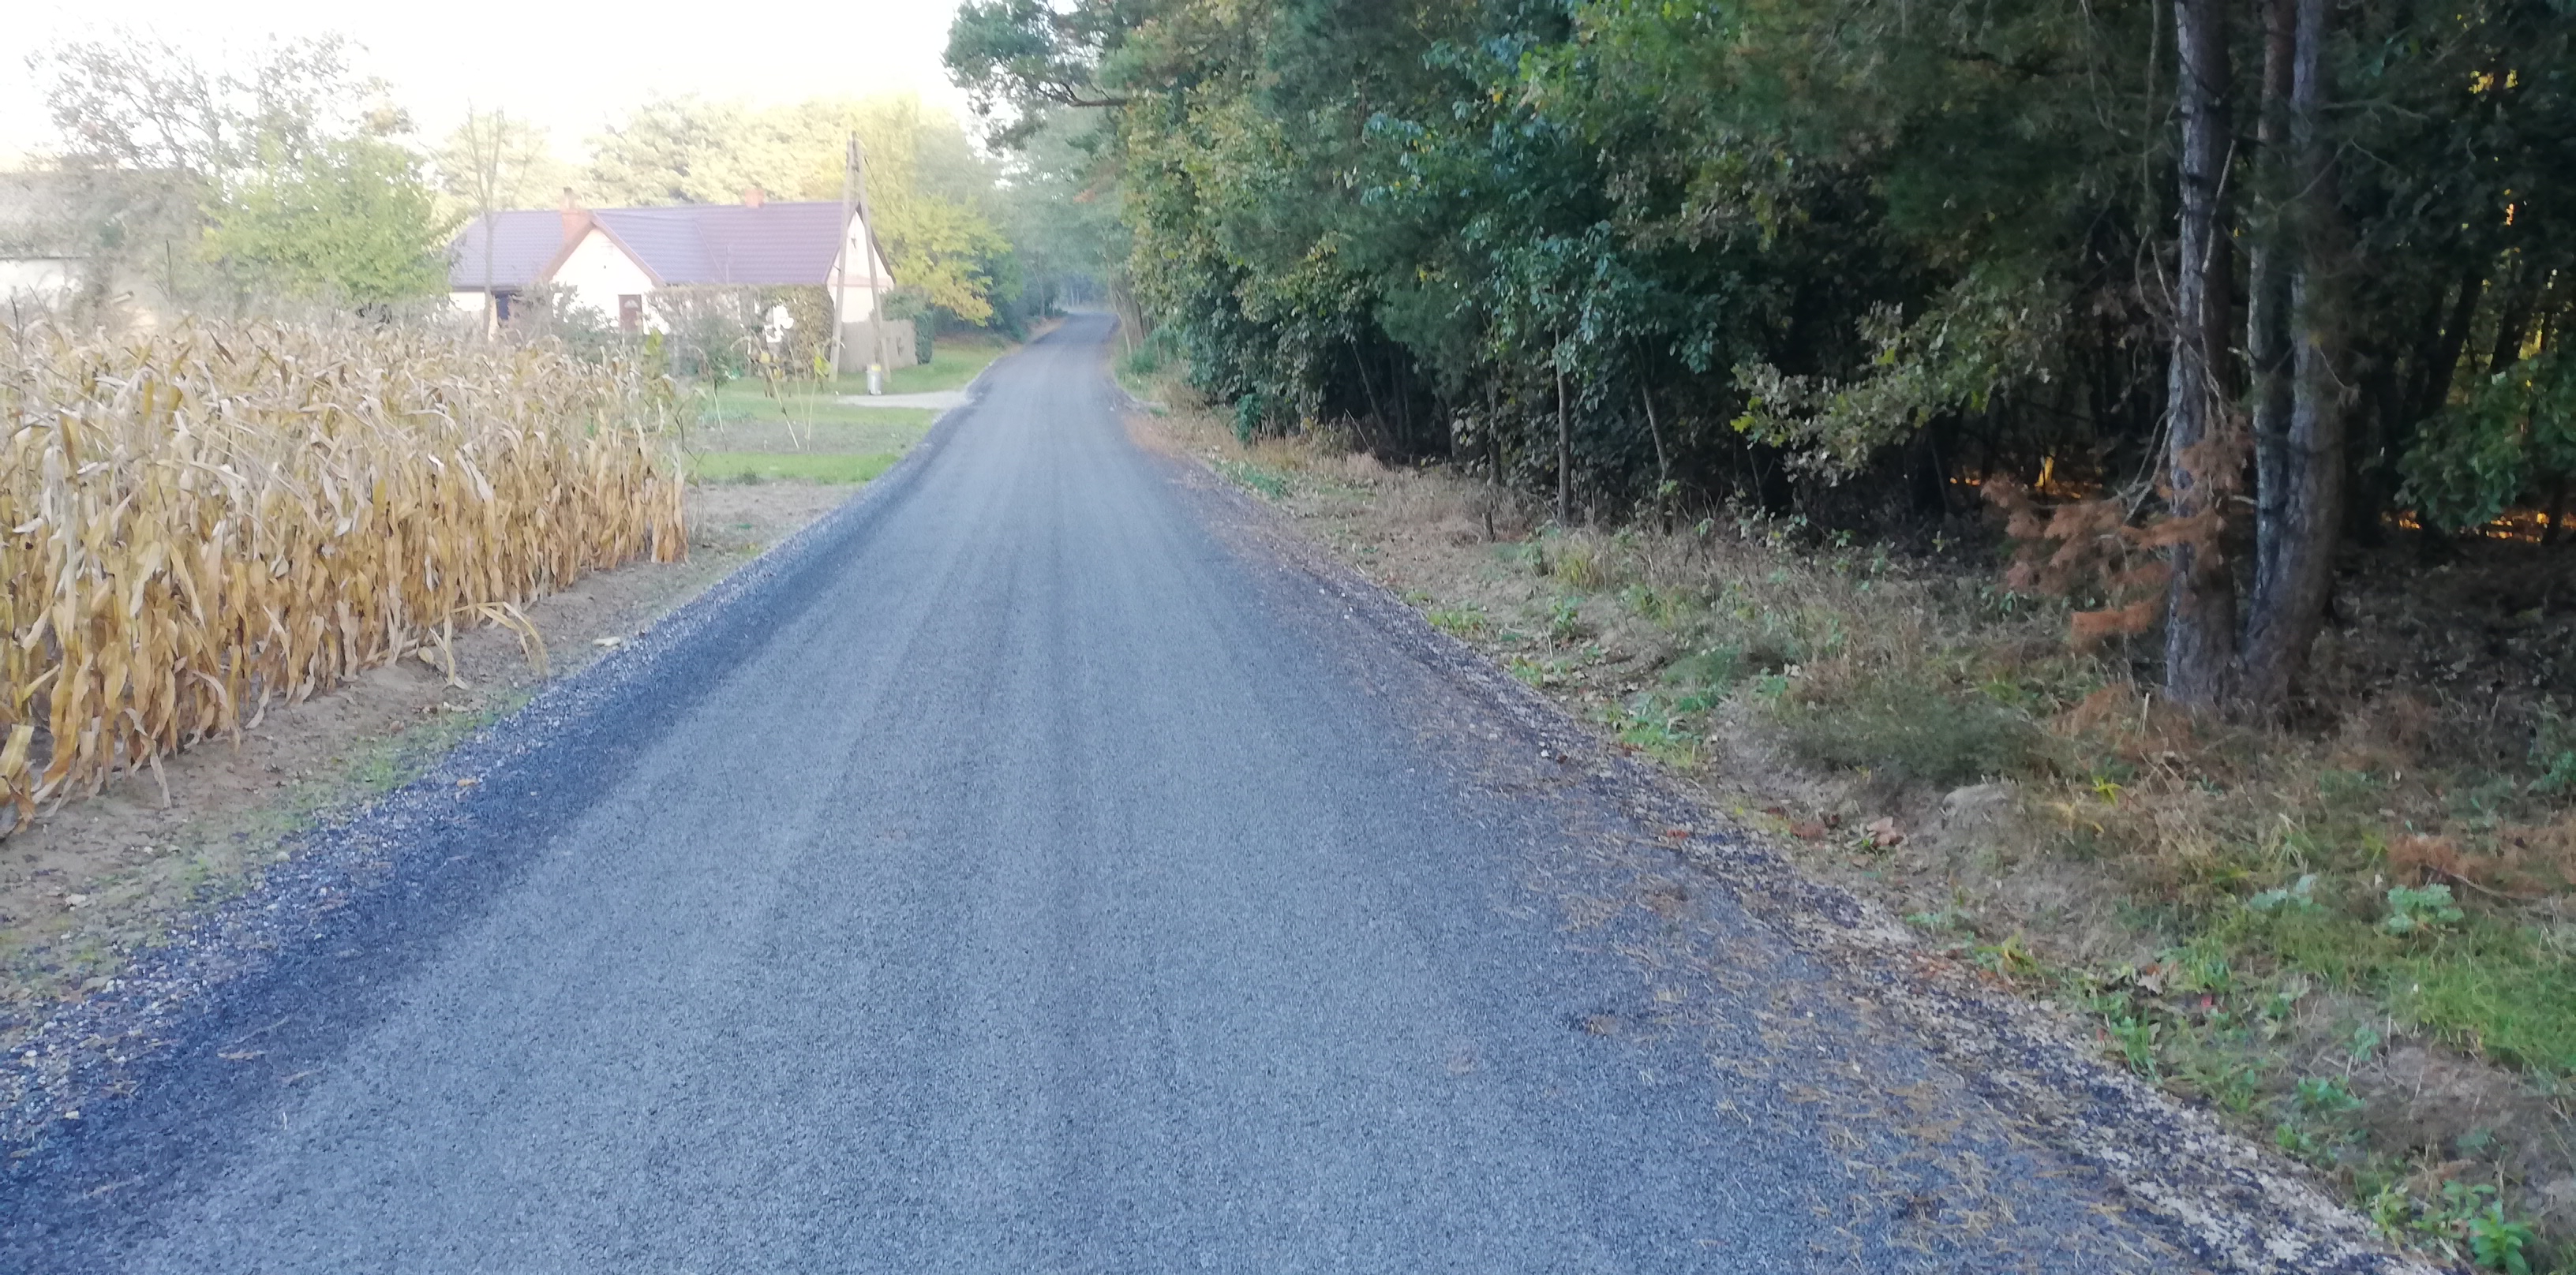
x: 1045, y: 864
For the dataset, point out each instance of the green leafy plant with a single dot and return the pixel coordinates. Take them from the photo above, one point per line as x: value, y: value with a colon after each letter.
x: 2325, y: 1096
x: 2297, y: 897
x: 2418, y: 909
x: 2499, y: 1243
x: 1565, y: 624
x: 1464, y: 622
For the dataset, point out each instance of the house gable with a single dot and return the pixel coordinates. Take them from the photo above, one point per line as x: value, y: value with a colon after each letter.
x: 598, y: 270
x: 602, y: 255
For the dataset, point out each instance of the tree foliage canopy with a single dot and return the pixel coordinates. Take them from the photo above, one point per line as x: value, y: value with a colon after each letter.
x: 284, y: 177
x: 351, y: 220
x: 1852, y: 256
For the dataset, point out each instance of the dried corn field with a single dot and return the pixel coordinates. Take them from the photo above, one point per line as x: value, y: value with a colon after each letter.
x: 208, y: 520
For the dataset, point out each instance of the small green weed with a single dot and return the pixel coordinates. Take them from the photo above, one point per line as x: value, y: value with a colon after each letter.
x: 1539, y: 673
x: 2498, y: 1243
x: 1565, y: 625
x: 2298, y: 897
x: 1267, y: 482
x: 1466, y: 622
x: 2135, y: 1037
x: 2324, y: 1096
x: 2413, y: 910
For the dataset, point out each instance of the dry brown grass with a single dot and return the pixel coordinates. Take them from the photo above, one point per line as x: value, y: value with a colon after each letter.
x: 205, y: 521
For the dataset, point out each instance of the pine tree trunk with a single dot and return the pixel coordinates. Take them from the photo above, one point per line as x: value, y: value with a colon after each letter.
x: 2267, y: 289
x: 2289, y: 606
x: 2200, y: 627
x: 2445, y: 359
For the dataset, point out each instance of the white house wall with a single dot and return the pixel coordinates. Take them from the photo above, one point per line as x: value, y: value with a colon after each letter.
x: 858, y: 301
x: 599, y: 272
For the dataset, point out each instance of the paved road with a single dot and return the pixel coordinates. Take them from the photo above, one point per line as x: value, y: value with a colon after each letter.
x: 1045, y: 874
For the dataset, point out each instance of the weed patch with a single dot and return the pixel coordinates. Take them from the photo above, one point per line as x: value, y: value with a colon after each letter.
x: 1911, y: 733
x: 1255, y: 478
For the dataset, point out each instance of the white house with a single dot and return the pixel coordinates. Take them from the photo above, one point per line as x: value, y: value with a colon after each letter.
x: 614, y: 259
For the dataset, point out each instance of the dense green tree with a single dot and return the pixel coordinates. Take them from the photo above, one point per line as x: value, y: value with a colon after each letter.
x: 280, y: 177
x: 2276, y: 277
x: 931, y: 193
x: 350, y: 221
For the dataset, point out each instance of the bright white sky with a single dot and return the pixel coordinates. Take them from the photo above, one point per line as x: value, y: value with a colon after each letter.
x: 570, y: 67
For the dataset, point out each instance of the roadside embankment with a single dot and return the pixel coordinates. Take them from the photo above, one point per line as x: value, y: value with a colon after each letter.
x: 2344, y: 936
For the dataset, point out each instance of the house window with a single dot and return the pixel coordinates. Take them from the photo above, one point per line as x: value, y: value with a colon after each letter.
x: 501, y: 305
x: 630, y: 312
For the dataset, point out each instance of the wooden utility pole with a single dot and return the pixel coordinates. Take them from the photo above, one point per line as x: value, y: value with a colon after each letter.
x: 857, y: 160
x: 841, y: 282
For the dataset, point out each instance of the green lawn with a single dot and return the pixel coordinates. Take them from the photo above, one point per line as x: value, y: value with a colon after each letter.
x: 812, y: 467
x: 741, y: 405
x: 807, y: 432
x: 743, y: 435
x: 953, y: 362
x: 815, y: 426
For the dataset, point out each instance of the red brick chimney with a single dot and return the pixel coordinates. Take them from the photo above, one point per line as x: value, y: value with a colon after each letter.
x: 576, y: 219
x: 754, y: 196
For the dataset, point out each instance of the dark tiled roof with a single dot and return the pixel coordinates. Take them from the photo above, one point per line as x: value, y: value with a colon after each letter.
x: 683, y: 244
x: 526, y: 243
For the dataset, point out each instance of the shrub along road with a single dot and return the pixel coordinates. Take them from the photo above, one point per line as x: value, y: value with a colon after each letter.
x: 1043, y: 865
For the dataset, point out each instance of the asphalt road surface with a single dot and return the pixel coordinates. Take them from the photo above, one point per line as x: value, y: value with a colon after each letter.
x: 1036, y: 870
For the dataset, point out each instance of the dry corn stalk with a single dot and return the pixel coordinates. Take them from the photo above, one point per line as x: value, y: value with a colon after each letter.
x: 207, y: 520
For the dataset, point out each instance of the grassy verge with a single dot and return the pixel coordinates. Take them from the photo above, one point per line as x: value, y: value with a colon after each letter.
x: 2349, y: 937
x: 808, y: 431
x: 802, y: 433
x: 954, y: 360
x: 816, y: 467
